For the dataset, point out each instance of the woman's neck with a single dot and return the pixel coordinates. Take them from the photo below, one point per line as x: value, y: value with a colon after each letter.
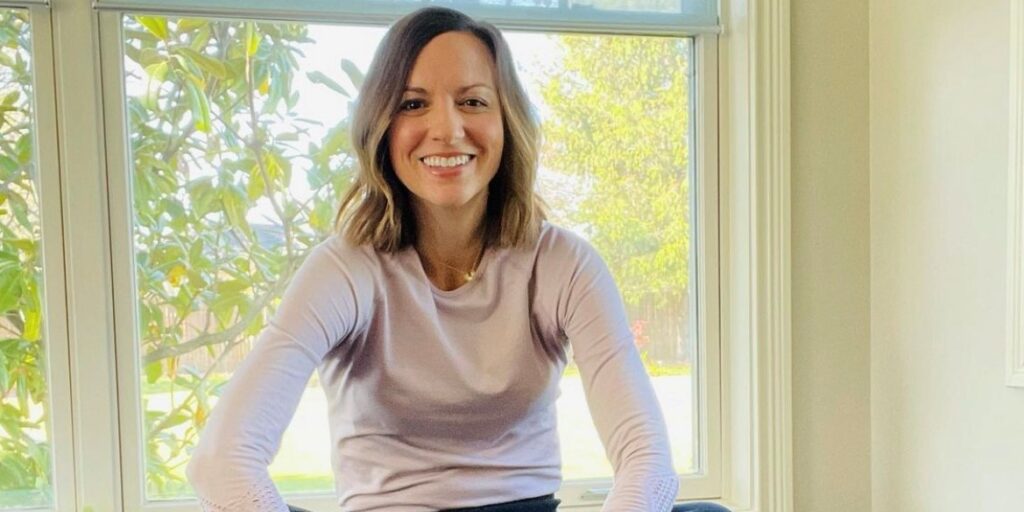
x: 450, y: 244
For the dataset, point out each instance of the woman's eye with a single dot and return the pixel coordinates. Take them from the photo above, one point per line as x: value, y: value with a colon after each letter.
x: 474, y: 102
x: 408, y: 105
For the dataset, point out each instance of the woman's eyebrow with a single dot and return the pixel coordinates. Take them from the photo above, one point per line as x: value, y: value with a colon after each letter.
x: 462, y: 89
x: 471, y: 86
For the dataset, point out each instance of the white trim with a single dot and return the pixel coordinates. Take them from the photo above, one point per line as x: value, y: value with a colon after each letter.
x: 132, y: 439
x: 756, y: 256
x: 1015, y: 200
x: 705, y: 274
x: 705, y: 485
x: 86, y: 249
x: 54, y: 290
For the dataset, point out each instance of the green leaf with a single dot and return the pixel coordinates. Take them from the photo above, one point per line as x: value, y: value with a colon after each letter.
x: 190, y: 24
x: 322, y: 217
x: 318, y: 77
x: 279, y: 168
x: 11, y: 97
x: 235, y: 204
x: 24, y: 148
x: 200, y: 107
x: 176, y: 419
x: 256, y: 186
x: 252, y: 40
x: 195, y: 253
x: 157, y: 70
x: 8, y: 164
x: 224, y: 306
x: 148, y: 56
x: 209, y: 64
x: 33, y: 325
x: 10, y: 286
x: 202, y: 193
x: 153, y: 372
x: 336, y: 141
x: 5, y: 379
x: 166, y: 255
x: 156, y: 25
x: 231, y: 286
x: 255, y: 327
x: 202, y: 38
x: 353, y: 72
x: 21, y: 390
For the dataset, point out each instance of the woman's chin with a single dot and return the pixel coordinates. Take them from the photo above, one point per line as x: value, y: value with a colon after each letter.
x: 447, y: 202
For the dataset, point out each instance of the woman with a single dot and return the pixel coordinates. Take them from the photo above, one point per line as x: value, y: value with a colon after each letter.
x: 442, y: 314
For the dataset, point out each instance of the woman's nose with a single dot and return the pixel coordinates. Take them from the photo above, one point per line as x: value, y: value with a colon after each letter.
x: 446, y: 124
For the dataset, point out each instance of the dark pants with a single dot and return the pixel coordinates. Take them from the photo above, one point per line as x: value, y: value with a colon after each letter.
x: 699, y: 507
x: 549, y: 504
x: 540, y: 504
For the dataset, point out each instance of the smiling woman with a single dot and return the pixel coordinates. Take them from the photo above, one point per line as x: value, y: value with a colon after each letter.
x: 441, y: 389
x: 445, y: 145
x: 398, y: 109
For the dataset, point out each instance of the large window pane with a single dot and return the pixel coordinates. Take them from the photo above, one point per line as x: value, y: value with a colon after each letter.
x: 616, y: 168
x: 239, y: 156
x: 240, y: 151
x: 25, y: 476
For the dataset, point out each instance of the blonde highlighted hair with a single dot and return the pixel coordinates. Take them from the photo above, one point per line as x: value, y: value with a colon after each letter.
x: 376, y: 209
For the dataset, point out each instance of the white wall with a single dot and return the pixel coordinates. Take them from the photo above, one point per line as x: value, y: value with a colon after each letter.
x: 830, y: 256
x: 947, y: 434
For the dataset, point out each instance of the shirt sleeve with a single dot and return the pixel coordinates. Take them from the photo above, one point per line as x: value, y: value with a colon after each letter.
x: 320, y: 308
x: 619, y: 393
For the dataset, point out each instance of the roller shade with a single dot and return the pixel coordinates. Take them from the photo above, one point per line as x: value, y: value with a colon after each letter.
x: 24, y: 3
x: 668, y: 17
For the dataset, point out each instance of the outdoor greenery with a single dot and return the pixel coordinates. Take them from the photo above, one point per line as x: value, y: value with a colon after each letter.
x: 24, y: 450
x: 231, y: 188
x: 620, y: 122
x: 215, y: 140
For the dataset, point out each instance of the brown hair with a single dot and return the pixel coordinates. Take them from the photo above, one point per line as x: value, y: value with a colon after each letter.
x: 376, y: 209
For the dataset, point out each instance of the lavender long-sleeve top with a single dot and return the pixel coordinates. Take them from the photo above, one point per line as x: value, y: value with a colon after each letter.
x: 440, y: 399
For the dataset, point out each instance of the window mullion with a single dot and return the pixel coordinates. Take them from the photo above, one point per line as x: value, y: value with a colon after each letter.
x: 56, y: 320
x: 89, y: 296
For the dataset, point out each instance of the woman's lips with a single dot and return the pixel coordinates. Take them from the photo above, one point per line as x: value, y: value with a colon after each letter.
x: 447, y: 172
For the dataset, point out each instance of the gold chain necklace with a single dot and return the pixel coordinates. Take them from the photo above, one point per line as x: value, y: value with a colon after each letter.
x: 468, y: 276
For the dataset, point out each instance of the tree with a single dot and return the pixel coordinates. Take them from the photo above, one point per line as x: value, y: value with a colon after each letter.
x: 214, y: 142
x: 218, y: 226
x: 24, y: 452
x: 619, y: 122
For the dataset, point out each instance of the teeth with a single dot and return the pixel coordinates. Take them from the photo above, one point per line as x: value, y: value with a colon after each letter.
x: 438, y: 161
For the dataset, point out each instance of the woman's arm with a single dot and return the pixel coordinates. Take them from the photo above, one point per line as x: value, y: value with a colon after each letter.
x: 619, y: 393
x: 228, y: 469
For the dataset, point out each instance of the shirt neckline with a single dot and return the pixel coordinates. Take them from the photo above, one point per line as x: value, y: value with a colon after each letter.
x: 477, y: 275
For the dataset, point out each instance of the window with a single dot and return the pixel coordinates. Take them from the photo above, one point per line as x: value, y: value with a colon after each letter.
x: 239, y: 149
x: 104, y: 385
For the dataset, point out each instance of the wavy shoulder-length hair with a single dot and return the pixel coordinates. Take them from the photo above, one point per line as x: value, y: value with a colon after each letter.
x: 376, y: 209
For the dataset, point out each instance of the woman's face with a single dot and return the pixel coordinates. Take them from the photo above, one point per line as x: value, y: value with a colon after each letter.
x: 445, y: 142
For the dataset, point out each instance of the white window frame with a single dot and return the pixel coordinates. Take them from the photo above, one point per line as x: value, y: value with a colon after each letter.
x: 1015, y: 204
x: 575, y: 494
x: 753, y: 193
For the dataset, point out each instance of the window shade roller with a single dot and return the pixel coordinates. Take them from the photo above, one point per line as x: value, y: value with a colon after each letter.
x: 655, y: 17
x: 24, y: 3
